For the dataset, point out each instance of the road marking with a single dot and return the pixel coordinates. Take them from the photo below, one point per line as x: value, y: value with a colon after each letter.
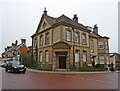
x: 67, y: 76
x: 109, y: 82
x: 99, y: 80
x: 89, y: 79
x: 81, y: 78
x: 74, y: 77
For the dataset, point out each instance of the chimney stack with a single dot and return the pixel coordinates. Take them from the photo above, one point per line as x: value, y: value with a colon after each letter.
x: 5, y: 49
x: 23, y: 41
x: 95, y: 29
x: 16, y: 42
x: 75, y: 18
x: 13, y: 44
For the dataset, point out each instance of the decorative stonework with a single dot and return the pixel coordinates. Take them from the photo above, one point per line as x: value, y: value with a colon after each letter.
x: 61, y: 45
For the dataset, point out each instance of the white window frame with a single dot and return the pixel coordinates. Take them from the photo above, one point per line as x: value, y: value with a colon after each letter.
x: 40, y: 56
x: 77, y: 56
x: 84, y: 38
x: 46, y: 56
x: 84, y: 56
x: 68, y: 35
x: 102, y: 59
x: 101, y: 44
x: 92, y: 46
x: 76, y: 36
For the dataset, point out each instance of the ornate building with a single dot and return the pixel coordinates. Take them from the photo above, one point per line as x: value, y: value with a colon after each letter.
x: 61, y: 42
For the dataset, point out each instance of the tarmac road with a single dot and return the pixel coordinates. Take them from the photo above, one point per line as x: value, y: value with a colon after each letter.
x: 44, y: 80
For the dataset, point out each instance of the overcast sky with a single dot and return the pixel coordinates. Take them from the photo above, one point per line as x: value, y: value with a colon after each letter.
x: 20, y: 18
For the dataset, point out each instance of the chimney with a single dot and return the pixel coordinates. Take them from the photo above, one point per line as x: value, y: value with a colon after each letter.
x: 23, y: 41
x: 5, y: 49
x: 95, y: 29
x: 75, y: 18
x: 16, y: 42
x: 13, y: 44
x: 45, y: 12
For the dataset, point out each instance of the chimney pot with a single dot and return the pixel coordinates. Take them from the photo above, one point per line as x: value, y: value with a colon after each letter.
x: 12, y: 44
x: 23, y: 41
x: 95, y: 29
x: 16, y: 42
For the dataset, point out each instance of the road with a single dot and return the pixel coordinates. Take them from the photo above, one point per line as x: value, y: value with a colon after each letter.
x: 36, y: 80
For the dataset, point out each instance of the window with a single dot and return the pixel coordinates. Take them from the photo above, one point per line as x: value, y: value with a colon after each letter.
x: 76, y: 37
x: 68, y: 35
x: 47, y: 38
x: 102, y: 59
x: 83, y: 38
x: 77, y: 56
x: 84, y: 56
x: 101, y: 44
x: 40, y: 57
x: 46, y: 54
x: 91, y: 46
x: 41, y: 41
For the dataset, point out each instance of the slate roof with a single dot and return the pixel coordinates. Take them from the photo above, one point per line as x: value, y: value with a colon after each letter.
x: 50, y: 19
x: 67, y: 20
x: 64, y: 19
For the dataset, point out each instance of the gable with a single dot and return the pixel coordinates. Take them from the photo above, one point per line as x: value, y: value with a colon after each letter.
x: 22, y: 48
x: 44, y: 25
x: 45, y: 22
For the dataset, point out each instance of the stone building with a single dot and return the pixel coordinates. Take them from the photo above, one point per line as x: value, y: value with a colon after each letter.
x: 115, y: 59
x: 62, y: 42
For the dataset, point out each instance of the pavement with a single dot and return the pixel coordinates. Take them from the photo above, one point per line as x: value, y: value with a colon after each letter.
x: 67, y: 72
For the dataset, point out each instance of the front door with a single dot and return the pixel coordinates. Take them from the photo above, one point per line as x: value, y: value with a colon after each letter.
x: 62, y: 62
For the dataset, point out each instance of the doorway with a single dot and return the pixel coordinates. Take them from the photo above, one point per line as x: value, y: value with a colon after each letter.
x: 62, y: 61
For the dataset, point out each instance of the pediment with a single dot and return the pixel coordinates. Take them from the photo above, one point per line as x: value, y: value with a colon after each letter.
x: 61, y: 45
x: 44, y: 25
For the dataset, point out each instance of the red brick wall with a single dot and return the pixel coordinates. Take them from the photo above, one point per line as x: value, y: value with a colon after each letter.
x: 23, y: 49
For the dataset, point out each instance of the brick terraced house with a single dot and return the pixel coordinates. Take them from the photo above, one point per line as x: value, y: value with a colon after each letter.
x: 15, y: 49
x: 61, y: 42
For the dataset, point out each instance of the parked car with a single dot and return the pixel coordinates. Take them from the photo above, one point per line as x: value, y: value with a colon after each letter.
x: 15, y: 66
x: 3, y: 65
